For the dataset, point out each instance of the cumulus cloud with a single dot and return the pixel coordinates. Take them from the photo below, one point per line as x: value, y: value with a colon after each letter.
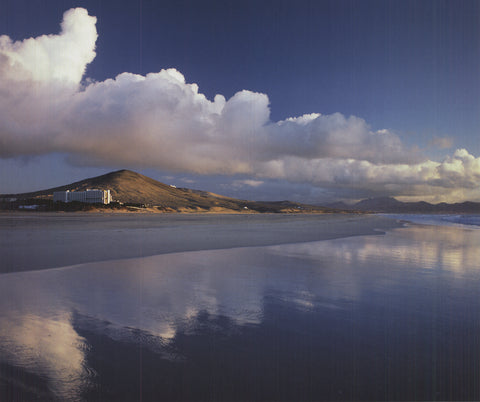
x: 247, y: 182
x: 161, y: 121
x: 39, y: 77
x: 441, y: 142
x: 314, y: 136
x: 51, y: 58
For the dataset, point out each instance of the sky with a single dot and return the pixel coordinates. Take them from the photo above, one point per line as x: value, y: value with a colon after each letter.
x: 312, y: 101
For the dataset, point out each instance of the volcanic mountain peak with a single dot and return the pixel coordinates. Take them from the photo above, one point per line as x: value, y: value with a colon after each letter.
x: 131, y: 187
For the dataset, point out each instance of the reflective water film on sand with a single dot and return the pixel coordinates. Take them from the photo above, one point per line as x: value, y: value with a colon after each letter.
x: 385, y: 317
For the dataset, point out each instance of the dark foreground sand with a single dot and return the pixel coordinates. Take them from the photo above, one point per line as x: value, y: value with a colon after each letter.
x: 35, y: 241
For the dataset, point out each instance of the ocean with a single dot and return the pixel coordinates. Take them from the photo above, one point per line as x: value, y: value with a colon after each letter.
x: 389, y: 314
x: 457, y: 220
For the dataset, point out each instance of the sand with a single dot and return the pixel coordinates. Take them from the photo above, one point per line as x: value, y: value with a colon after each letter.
x: 388, y: 317
x: 34, y: 241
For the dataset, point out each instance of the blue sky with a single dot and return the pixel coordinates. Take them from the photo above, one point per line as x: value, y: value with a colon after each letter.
x: 411, y: 68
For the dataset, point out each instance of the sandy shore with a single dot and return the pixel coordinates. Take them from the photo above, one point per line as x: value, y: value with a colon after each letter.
x: 34, y: 241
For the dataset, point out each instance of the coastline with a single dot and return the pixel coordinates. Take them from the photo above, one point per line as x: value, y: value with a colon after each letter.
x: 35, y: 241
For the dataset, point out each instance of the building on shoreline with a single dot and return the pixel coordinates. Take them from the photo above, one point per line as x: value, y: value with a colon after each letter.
x: 93, y: 196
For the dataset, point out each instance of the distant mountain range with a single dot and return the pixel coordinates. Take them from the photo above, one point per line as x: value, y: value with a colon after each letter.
x: 391, y: 205
x: 132, y: 188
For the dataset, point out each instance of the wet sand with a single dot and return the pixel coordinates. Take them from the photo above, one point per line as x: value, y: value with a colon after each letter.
x: 33, y: 241
x: 390, y: 317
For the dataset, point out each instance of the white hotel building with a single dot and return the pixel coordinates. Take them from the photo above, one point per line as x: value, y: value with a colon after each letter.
x: 89, y: 196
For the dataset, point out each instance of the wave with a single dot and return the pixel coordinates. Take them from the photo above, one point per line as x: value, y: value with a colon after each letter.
x: 467, y: 220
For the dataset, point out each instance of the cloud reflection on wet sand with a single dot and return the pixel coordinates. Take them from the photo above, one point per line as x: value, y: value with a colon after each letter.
x: 164, y: 295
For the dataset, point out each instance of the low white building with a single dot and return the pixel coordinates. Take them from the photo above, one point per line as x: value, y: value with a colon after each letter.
x: 89, y: 196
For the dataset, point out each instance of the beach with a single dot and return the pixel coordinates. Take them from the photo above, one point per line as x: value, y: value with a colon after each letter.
x: 33, y: 241
x: 233, y: 308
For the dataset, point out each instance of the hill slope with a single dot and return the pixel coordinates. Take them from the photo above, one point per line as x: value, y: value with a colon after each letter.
x: 134, y: 188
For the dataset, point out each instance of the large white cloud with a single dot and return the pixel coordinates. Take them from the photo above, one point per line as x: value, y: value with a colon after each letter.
x: 39, y: 77
x: 161, y: 121
x: 51, y: 58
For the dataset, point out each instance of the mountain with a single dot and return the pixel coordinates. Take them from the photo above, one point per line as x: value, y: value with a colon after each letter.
x: 392, y: 205
x: 129, y: 187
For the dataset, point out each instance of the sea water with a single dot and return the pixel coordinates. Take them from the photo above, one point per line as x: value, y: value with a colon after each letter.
x: 378, y: 317
x: 458, y: 220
